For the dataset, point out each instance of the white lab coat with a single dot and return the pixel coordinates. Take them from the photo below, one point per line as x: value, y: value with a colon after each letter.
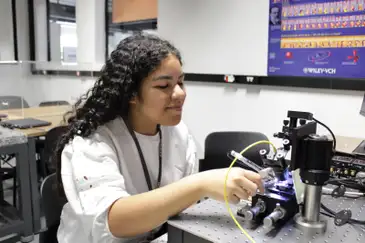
x: 97, y: 171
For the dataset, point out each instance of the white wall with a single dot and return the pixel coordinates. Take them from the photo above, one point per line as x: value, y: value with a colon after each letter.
x: 215, y: 107
x: 218, y: 37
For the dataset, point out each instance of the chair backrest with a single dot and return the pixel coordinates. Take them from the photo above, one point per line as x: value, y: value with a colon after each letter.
x: 218, y: 144
x: 12, y: 102
x: 52, y: 206
x: 53, y: 103
x: 50, y: 143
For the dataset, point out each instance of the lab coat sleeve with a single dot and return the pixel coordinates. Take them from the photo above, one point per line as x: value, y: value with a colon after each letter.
x: 92, y: 182
x: 191, y: 157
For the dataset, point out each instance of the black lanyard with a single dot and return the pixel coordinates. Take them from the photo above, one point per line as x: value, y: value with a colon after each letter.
x: 144, y: 165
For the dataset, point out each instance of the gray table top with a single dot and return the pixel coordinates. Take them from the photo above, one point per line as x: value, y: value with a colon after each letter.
x: 210, y: 220
x: 11, y: 137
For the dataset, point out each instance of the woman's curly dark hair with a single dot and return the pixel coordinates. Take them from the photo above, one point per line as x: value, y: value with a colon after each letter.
x: 129, y: 64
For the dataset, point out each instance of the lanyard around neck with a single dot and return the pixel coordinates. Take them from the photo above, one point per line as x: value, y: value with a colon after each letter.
x: 143, y: 161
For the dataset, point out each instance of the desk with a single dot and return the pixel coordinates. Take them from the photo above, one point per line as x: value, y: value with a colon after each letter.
x: 53, y: 114
x: 12, y: 221
x: 209, y: 221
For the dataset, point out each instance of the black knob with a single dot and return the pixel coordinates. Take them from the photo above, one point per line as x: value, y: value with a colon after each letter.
x: 286, y: 122
x: 302, y: 122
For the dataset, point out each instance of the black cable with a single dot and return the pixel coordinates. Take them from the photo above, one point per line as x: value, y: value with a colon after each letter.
x: 328, y: 210
x: 355, y: 183
x: 343, y: 179
x: 327, y: 214
x: 325, y: 126
x: 355, y: 221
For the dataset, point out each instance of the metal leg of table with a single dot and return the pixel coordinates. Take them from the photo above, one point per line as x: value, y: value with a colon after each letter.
x: 25, y: 193
x: 176, y: 235
x: 33, y: 179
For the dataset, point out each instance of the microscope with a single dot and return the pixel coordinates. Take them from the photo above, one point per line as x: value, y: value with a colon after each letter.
x: 311, y: 154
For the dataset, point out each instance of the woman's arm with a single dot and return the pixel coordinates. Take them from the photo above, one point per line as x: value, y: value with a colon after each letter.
x: 141, y: 213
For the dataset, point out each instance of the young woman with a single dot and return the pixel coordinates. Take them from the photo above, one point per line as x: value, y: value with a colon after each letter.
x: 127, y: 162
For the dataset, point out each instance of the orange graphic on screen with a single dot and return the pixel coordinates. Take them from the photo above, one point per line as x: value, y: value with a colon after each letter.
x: 289, y: 54
x: 355, y: 57
x: 323, y: 42
x: 352, y: 7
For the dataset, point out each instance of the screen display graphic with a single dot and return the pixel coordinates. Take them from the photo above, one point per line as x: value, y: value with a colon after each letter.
x: 317, y: 38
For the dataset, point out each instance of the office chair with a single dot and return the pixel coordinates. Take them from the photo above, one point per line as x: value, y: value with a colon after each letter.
x: 12, y: 102
x: 50, y: 143
x: 52, y: 205
x: 53, y: 103
x: 217, y: 144
x: 40, y: 142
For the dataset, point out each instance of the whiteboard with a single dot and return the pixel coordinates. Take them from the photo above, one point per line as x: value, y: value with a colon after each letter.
x: 218, y: 36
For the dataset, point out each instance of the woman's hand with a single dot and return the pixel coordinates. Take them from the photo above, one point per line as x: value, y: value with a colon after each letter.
x: 241, y: 184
